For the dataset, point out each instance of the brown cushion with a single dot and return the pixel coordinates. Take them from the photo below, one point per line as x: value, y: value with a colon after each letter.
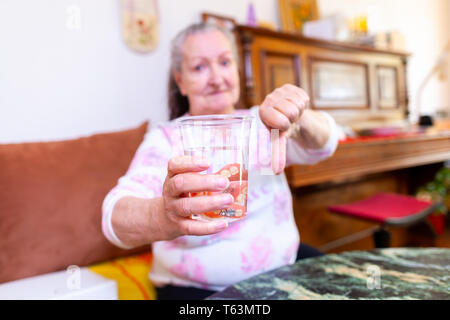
x: 51, y: 195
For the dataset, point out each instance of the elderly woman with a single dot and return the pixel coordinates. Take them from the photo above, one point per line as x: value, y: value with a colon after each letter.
x: 193, y: 259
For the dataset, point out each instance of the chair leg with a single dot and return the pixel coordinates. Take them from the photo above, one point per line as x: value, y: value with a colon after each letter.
x: 382, y: 238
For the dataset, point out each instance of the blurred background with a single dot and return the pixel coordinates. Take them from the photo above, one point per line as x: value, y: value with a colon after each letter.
x: 65, y: 70
x: 72, y: 68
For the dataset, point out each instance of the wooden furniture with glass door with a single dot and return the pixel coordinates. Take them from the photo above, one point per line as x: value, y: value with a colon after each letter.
x: 361, y: 87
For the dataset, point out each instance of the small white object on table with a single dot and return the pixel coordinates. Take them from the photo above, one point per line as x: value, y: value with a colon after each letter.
x: 72, y: 284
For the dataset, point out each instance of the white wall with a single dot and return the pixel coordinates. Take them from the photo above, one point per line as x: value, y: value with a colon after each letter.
x: 426, y: 27
x: 58, y: 83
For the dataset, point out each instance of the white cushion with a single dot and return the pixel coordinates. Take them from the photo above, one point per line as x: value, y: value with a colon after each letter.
x: 73, y: 284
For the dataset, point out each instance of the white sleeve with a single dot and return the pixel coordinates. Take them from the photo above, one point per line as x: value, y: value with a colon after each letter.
x: 295, y: 154
x: 144, y: 178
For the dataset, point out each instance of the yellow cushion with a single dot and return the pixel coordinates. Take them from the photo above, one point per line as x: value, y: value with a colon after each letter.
x: 131, y: 275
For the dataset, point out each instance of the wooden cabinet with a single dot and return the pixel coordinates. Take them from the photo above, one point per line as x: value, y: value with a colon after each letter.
x: 360, y: 87
x: 278, y: 69
x: 355, y: 159
x: 354, y: 84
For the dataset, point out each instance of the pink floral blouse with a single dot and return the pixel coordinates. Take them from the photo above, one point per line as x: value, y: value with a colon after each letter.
x: 265, y: 239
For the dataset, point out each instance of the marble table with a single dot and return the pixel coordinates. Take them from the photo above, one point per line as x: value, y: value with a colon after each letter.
x: 394, y: 273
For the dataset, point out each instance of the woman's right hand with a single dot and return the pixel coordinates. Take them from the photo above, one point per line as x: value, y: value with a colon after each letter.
x: 183, y: 177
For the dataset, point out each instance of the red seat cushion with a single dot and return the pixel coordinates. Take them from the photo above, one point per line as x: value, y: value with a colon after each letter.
x: 383, y: 206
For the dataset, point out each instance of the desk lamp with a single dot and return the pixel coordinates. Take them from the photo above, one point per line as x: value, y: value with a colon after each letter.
x: 439, y: 66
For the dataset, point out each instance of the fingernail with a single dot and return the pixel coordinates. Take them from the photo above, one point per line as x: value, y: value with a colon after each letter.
x: 226, y: 199
x: 222, y: 182
x: 201, y: 162
x: 221, y: 225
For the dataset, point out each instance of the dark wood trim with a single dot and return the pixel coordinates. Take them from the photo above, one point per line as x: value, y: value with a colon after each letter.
x: 405, y: 85
x: 262, y: 59
x: 334, y: 45
x: 313, y: 59
x: 206, y: 15
x: 246, y: 45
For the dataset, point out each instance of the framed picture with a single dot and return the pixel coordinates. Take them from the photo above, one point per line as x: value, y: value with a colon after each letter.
x: 225, y: 22
x: 338, y: 84
x: 387, y: 87
x: 294, y: 13
x: 140, y: 24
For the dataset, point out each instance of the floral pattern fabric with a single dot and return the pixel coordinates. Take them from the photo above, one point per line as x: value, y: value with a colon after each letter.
x: 266, y: 239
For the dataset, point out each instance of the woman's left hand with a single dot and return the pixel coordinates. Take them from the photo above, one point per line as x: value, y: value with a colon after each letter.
x: 281, y: 110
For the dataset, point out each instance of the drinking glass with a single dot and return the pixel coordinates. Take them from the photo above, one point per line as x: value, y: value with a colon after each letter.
x: 224, y: 141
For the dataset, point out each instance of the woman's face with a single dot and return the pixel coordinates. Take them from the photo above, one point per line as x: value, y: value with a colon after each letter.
x: 209, y: 76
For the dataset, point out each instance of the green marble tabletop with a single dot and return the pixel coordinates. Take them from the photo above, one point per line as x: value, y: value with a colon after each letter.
x: 394, y: 273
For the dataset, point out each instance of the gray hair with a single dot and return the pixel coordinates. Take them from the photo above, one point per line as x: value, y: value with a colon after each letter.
x: 179, y: 104
x: 176, y: 53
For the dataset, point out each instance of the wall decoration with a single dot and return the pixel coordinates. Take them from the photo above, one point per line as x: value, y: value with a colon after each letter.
x: 294, y: 13
x: 223, y: 21
x: 140, y: 24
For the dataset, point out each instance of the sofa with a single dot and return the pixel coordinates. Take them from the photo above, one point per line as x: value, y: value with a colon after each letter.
x: 51, y: 195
